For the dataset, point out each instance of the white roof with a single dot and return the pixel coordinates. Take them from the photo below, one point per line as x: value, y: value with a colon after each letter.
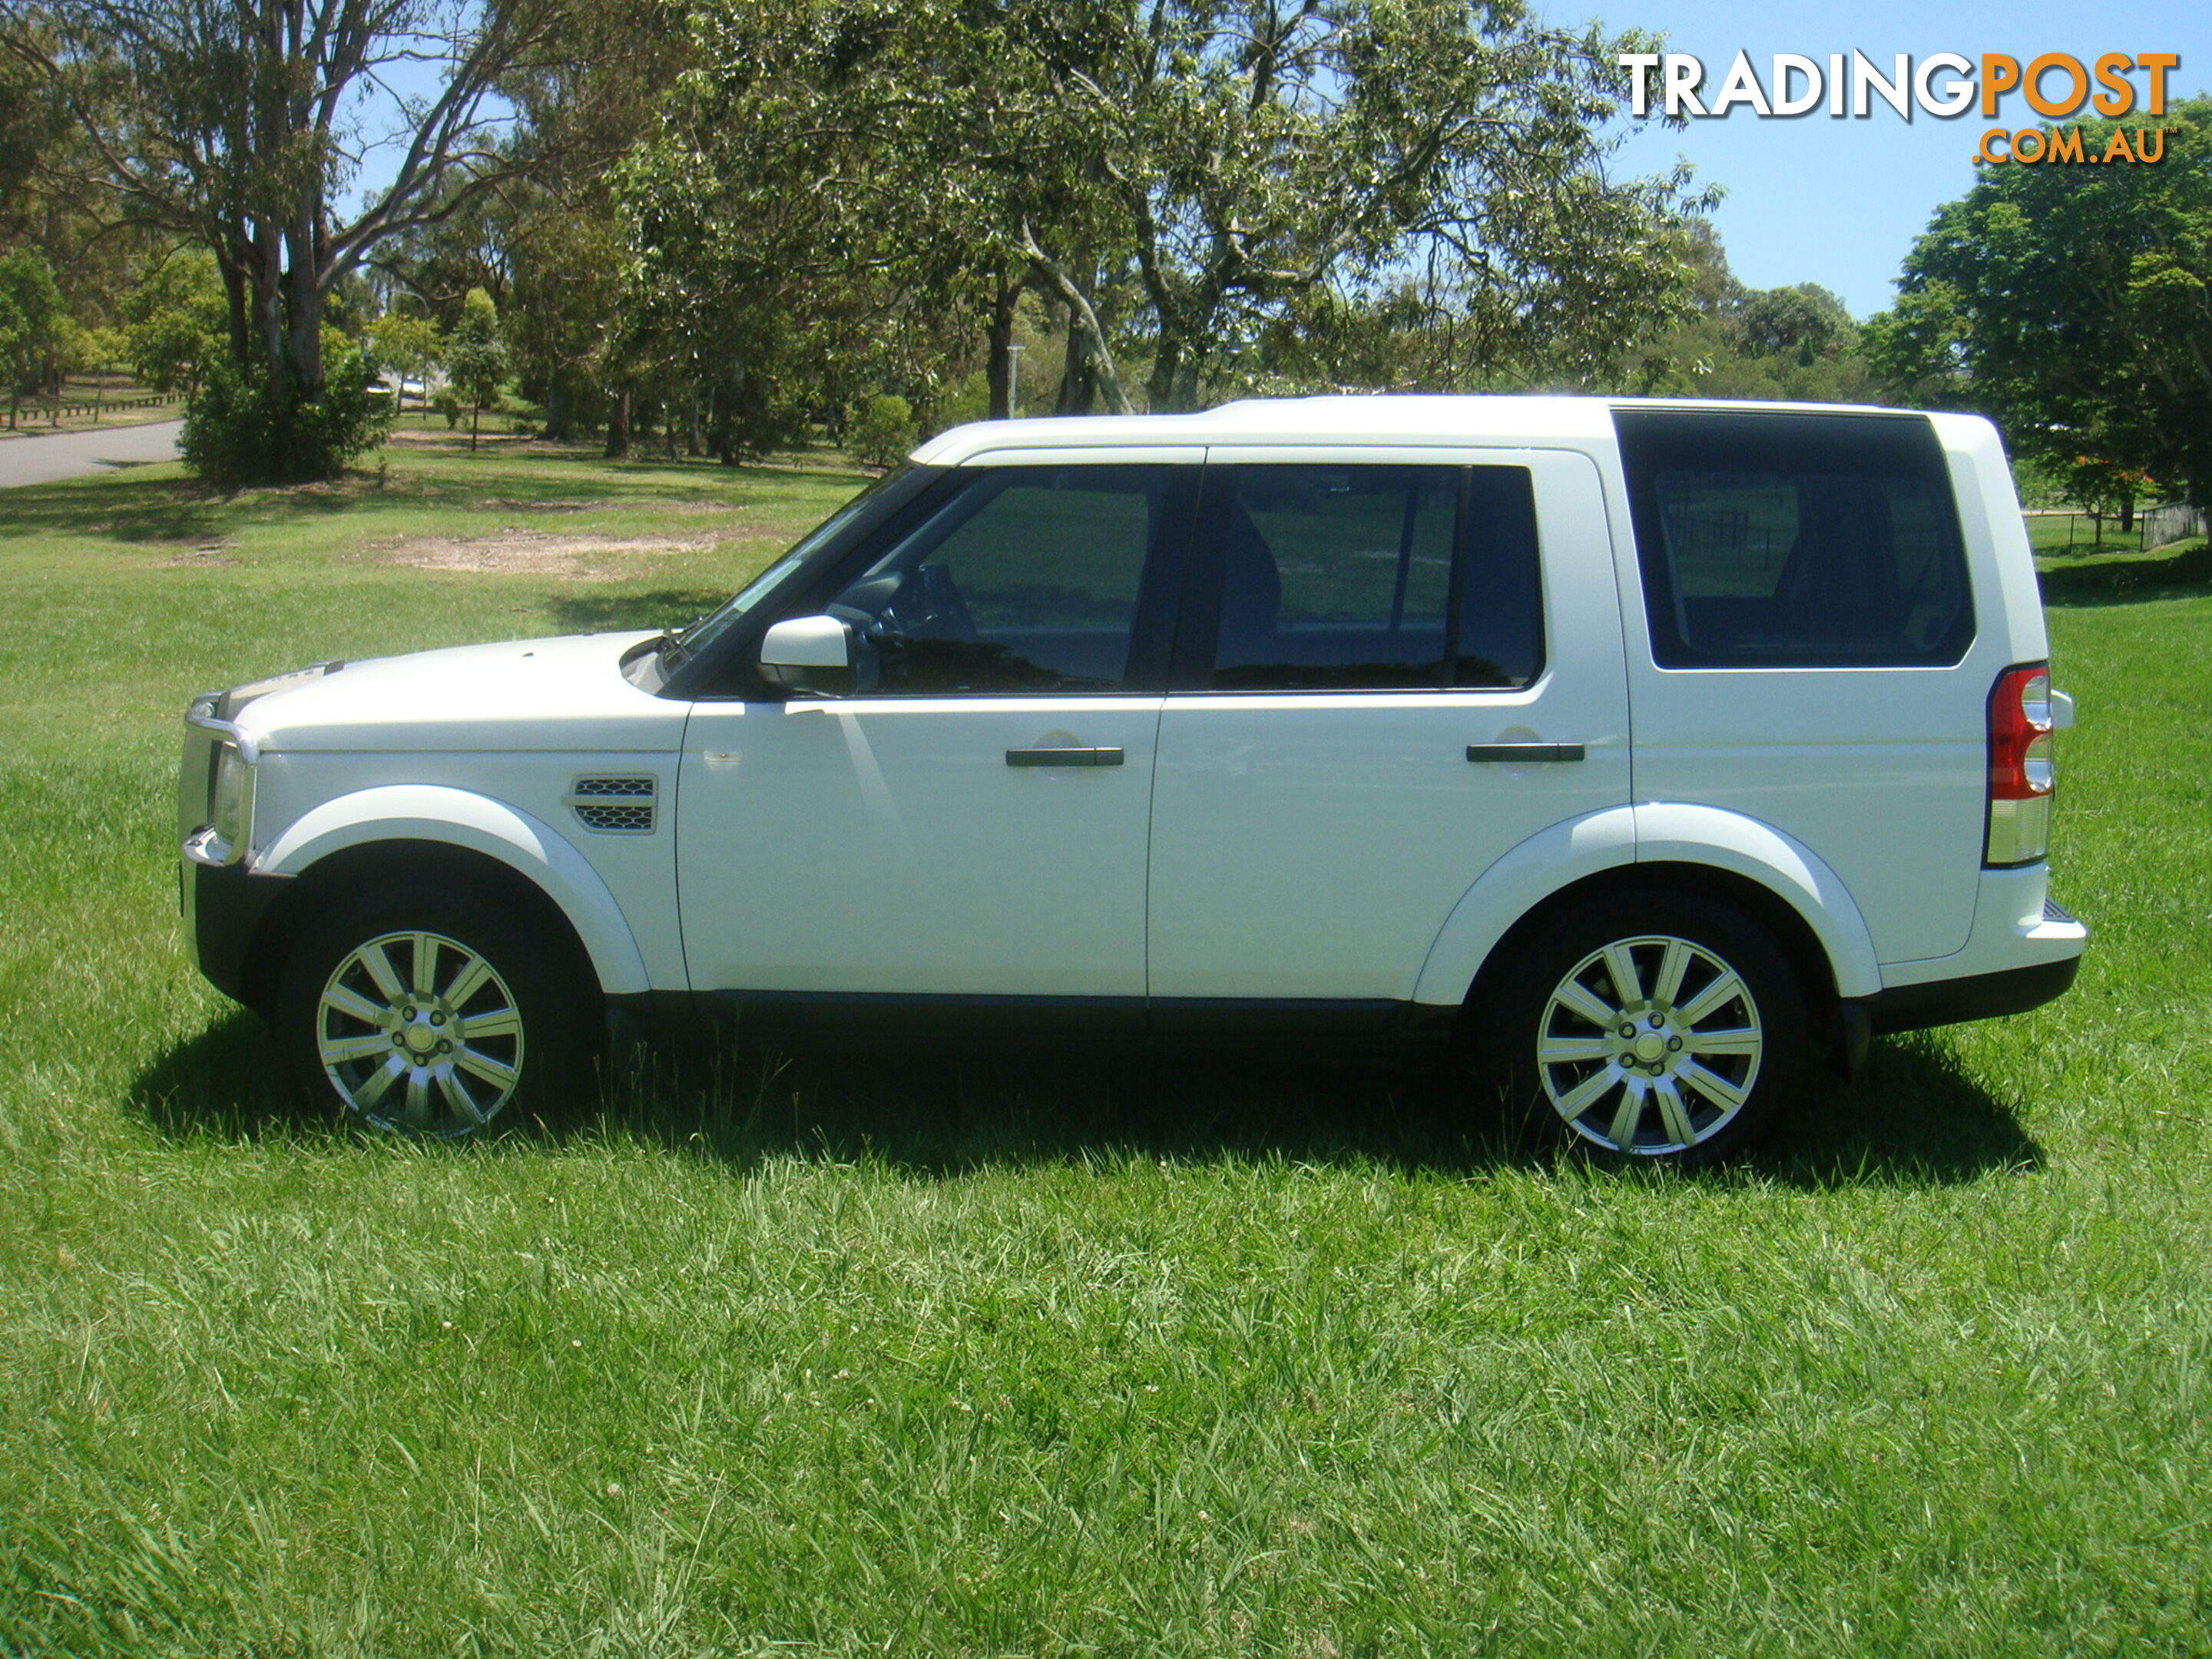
x: 1393, y: 420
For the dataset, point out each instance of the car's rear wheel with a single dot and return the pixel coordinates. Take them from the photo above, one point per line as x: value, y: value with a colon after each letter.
x: 426, y: 1011
x: 1650, y: 1027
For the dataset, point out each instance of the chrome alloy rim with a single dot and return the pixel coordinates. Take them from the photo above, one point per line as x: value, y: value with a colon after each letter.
x: 418, y: 1032
x: 1649, y: 1045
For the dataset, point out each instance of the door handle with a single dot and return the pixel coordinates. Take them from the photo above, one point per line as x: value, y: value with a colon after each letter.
x: 1524, y: 752
x: 1063, y: 757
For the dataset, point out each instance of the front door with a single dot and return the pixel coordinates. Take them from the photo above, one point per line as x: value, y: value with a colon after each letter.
x: 1397, y: 666
x: 971, y: 820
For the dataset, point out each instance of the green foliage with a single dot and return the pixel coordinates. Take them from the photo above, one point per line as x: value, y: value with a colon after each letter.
x: 1180, y: 182
x: 238, y: 431
x: 1796, y: 343
x: 447, y: 401
x: 174, y: 321
x: 476, y: 354
x: 407, y: 344
x: 880, y: 430
x: 33, y: 325
x: 2073, y: 304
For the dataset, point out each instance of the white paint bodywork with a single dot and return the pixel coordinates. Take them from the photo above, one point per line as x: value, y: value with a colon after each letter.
x: 884, y: 844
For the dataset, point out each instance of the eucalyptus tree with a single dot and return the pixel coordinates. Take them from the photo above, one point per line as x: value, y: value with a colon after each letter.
x: 238, y: 124
x: 1237, y: 157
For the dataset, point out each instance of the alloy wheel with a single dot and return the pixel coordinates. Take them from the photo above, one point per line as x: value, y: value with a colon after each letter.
x: 420, y: 1033
x: 1649, y: 1045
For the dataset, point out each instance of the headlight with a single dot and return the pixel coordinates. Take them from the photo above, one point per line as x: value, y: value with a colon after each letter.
x: 231, y: 811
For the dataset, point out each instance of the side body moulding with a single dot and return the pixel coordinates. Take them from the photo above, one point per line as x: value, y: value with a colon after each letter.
x: 1620, y: 836
x: 525, y: 843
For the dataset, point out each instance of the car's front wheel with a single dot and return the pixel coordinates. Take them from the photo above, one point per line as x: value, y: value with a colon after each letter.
x: 1655, y: 1027
x: 428, y: 1011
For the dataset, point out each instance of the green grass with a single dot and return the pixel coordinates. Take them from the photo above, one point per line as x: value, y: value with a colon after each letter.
x: 1011, y: 1355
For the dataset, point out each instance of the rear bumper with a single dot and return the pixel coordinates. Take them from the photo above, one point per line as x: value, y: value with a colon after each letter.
x: 2024, y: 951
x: 1978, y: 996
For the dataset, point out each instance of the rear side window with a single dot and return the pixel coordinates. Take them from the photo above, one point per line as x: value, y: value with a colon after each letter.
x: 1795, y: 540
x: 1347, y: 578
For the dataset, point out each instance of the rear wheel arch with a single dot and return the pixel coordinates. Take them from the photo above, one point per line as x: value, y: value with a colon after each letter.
x: 1757, y: 903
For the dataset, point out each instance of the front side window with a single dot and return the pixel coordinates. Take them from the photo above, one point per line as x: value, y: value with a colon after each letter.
x: 1795, y: 540
x: 1349, y: 577
x: 1025, y: 582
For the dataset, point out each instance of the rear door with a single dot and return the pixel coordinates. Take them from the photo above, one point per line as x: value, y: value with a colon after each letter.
x: 1393, y: 667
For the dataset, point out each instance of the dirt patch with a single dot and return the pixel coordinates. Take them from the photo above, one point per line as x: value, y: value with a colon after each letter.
x: 529, y: 552
x: 207, y: 556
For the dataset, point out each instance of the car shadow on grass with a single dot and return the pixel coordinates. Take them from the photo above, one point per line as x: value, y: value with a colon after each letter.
x: 1917, y: 1119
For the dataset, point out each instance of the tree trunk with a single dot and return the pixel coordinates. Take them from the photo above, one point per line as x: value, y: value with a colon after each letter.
x: 1084, y: 320
x: 475, y: 409
x: 692, y: 445
x: 2127, y: 512
x: 1000, y: 371
x: 619, y: 424
x: 1078, y: 389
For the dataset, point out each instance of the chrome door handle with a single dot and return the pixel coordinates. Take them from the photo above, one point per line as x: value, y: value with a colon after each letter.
x: 1063, y: 757
x: 1524, y: 752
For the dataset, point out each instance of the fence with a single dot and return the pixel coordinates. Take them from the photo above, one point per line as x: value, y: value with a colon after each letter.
x: 57, y: 413
x: 2055, y: 529
x: 2170, y: 523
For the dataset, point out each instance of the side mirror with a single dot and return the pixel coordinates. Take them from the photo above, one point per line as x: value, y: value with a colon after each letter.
x: 809, y: 653
x: 807, y: 642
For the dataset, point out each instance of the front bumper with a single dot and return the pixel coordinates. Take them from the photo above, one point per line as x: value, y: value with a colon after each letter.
x: 224, y: 906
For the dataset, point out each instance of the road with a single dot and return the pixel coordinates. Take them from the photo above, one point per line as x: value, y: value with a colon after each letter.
x: 71, y: 454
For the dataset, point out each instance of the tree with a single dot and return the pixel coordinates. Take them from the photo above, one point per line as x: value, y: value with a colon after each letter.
x: 1797, y: 343
x: 34, y: 326
x: 236, y: 125
x: 172, y: 322
x: 2073, y: 304
x: 410, y: 347
x: 476, y: 356
x: 1236, y: 161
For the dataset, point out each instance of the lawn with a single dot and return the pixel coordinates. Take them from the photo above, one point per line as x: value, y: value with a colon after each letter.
x: 1027, y: 1356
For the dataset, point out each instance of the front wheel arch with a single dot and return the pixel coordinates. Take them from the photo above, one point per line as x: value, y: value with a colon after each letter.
x: 387, y: 863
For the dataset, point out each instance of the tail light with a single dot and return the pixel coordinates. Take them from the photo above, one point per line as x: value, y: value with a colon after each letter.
x: 2023, y: 767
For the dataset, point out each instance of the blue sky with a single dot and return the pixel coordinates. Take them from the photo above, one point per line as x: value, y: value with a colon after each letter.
x: 1839, y: 202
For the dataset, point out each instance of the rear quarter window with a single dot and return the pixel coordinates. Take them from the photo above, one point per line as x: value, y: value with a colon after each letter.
x: 1797, y: 540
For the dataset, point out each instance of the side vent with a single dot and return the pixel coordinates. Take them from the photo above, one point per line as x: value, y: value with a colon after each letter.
x: 614, y: 806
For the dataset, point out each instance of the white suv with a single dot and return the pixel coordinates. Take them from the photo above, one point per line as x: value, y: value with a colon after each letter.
x: 1637, y: 749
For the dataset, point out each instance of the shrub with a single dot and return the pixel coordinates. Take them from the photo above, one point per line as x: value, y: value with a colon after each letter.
x: 881, y: 430
x: 236, y: 433
x: 447, y: 401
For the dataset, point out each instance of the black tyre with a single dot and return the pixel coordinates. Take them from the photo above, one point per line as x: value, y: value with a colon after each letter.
x: 431, y: 1011
x: 1657, y: 1027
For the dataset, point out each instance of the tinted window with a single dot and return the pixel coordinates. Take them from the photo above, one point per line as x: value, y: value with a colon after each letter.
x: 1371, y: 578
x: 1025, y: 581
x: 1808, y: 540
